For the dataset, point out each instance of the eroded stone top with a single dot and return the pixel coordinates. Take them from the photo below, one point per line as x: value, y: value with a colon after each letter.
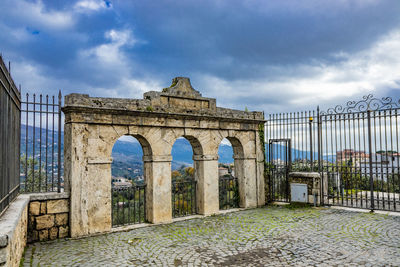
x: 179, y: 98
x: 181, y: 86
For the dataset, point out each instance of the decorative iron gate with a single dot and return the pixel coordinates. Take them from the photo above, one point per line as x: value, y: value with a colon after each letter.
x: 228, y: 193
x: 354, y: 147
x: 360, y: 154
x: 279, y: 153
x: 183, y: 197
x: 128, y: 205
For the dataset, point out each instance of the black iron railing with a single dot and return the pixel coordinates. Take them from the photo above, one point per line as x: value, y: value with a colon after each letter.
x: 128, y: 205
x: 183, y: 197
x: 10, y: 114
x: 41, y: 144
x: 355, y: 148
x: 228, y: 193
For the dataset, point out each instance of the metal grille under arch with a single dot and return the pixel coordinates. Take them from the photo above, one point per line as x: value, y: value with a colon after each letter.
x: 228, y: 193
x: 128, y: 205
x: 183, y: 197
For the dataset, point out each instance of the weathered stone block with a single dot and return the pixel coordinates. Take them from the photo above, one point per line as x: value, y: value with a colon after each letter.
x: 34, y: 208
x: 57, y: 206
x: 63, y: 232
x: 44, y: 222
x: 43, y: 209
x: 44, y: 235
x: 53, y: 233
x: 62, y: 219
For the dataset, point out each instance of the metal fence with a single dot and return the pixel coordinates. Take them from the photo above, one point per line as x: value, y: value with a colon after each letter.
x: 41, y: 145
x: 128, y: 205
x: 10, y: 112
x: 360, y: 154
x: 183, y: 197
x: 355, y: 148
x: 228, y: 193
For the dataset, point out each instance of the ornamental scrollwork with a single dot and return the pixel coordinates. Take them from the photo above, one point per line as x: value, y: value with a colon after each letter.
x: 368, y: 103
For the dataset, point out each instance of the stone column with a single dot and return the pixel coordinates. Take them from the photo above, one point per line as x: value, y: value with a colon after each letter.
x: 207, y: 193
x: 89, y: 182
x: 245, y: 170
x: 157, y: 169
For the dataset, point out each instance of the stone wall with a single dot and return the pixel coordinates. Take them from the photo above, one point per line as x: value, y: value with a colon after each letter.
x: 13, y: 225
x: 48, y: 217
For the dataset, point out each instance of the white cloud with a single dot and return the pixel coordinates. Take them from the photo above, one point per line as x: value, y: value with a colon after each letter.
x: 35, y: 14
x: 111, y: 60
x: 90, y: 5
x: 110, y: 53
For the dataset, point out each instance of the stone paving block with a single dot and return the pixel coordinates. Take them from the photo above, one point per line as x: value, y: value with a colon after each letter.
x: 272, y: 236
x: 34, y: 208
x: 53, y: 233
x: 57, y: 206
x: 44, y: 222
x: 61, y: 219
x: 43, y: 235
x: 43, y: 209
x: 63, y: 232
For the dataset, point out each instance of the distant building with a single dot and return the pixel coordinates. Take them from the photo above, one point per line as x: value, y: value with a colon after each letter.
x: 352, y: 156
x: 222, y: 171
x: 121, y: 183
x: 383, y: 165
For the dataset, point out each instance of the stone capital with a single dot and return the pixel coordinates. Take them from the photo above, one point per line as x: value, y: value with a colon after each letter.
x: 100, y: 160
x: 205, y: 157
x: 245, y: 157
x: 157, y: 158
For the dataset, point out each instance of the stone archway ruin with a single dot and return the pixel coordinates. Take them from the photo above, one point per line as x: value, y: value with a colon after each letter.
x: 93, y: 124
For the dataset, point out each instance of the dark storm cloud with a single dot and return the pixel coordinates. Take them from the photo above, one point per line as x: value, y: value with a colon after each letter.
x: 259, y: 54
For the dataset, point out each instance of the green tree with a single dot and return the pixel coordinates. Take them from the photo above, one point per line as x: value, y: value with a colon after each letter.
x: 35, y: 178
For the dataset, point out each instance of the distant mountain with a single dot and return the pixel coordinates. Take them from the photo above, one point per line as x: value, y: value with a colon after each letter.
x: 131, y: 153
x: 127, y: 156
x: 279, y: 153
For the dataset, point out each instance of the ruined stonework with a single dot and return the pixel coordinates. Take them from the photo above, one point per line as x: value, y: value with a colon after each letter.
x: 92, y: 126
x: 48, y: 217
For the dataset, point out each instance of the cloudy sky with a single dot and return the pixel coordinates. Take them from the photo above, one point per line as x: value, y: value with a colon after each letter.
x: 276, y: 56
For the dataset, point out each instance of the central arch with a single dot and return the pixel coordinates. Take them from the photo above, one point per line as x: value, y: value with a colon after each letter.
x: 128, y: 186
x: 184, y: 178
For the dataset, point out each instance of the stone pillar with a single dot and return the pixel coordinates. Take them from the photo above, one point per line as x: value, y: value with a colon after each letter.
x: 207, y: 193
x: 245, y: 170
x: 89, y: 182
x: 157, y: 169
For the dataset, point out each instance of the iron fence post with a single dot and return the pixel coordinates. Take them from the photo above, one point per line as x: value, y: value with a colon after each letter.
x: 371, y: 179
x: 59, y: 143
x: 311, y: 144
x: 319, y: 144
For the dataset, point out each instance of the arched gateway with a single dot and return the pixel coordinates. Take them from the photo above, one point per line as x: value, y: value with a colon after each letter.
x: 92, y: 125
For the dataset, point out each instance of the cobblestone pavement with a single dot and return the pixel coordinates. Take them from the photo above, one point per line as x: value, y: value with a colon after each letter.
x: 271, y: 236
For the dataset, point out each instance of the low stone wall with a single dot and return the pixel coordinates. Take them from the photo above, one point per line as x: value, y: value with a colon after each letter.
x: 13, y: 225
x: 48, y: 217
